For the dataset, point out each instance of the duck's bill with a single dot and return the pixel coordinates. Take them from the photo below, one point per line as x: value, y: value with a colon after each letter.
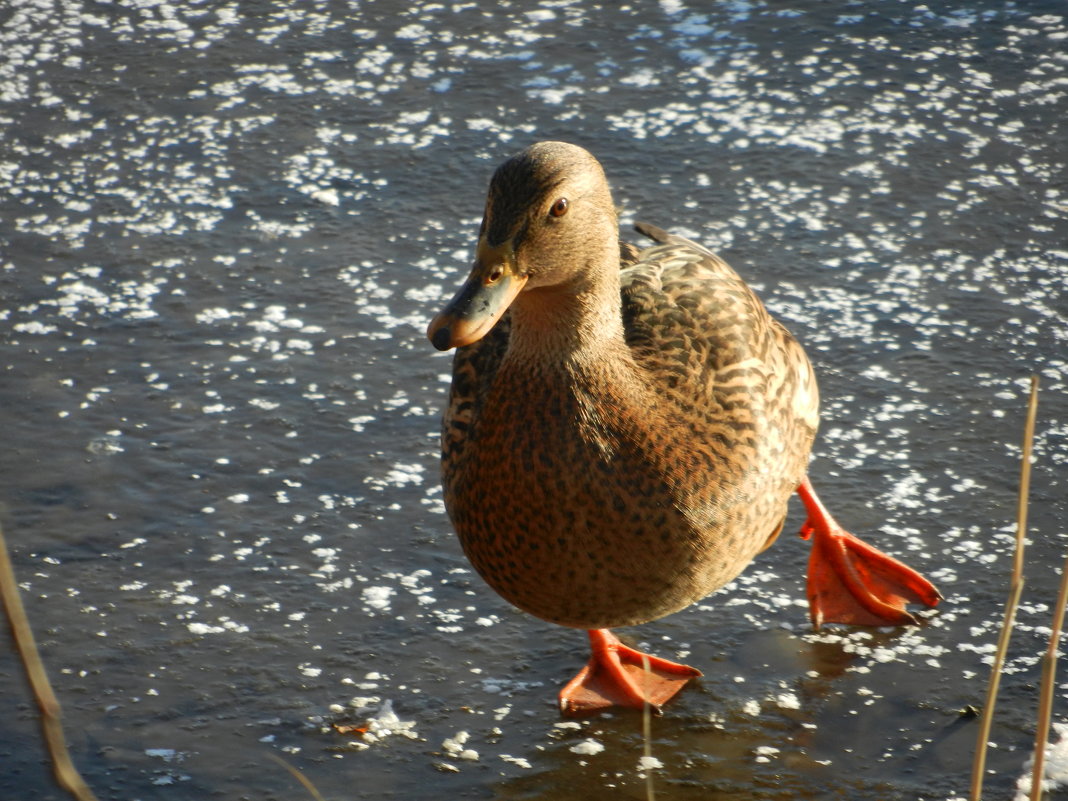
x: 484, y: 297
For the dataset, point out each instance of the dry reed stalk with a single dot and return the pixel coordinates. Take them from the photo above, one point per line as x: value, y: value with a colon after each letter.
x: 1016, y: 588
x: 67, y: 776
x: 300, y: 777
x: 1045, y: 697
x: 647, y: 728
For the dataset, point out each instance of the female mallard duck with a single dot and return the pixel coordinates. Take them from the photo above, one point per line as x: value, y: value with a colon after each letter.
x: 624, y: 440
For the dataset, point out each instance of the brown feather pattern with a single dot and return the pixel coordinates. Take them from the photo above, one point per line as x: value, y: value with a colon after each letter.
x: 622, y: 486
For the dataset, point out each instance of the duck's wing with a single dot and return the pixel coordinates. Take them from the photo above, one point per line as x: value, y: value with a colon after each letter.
x: 707, y: 341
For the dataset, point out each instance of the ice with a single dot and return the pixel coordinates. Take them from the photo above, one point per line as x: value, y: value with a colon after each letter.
x: 1055, y: 774
x: 385, y: 723
x: 217, y: 294
x: 587, y: 747
x: 377, y: 597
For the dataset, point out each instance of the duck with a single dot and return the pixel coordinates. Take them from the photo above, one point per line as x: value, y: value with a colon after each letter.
x: 625, y: 427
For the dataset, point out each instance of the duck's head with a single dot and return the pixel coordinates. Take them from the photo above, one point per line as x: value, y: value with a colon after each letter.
x: 549, y: 219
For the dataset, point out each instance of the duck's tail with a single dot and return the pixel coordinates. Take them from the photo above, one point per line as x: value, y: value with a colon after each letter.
x: 654, y: 233
x: 662, y: 237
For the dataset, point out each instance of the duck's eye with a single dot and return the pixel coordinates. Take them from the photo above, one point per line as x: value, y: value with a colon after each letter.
x: 559, y: 208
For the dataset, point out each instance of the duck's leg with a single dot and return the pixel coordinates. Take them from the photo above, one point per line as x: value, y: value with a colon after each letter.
x: 616, y: 676
x: 849, y: 581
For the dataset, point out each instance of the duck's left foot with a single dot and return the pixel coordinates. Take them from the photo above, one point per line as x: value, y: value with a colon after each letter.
x: 616, y: 675
x: 849, y: 581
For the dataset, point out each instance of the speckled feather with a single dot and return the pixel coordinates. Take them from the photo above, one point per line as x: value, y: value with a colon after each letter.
x: 613, y: 493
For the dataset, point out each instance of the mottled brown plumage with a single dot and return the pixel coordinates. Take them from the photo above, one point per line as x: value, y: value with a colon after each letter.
x: 625, y: 427
x: 617, y: 484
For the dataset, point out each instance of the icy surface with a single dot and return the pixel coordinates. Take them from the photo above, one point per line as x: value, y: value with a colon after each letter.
x: 223, y: 228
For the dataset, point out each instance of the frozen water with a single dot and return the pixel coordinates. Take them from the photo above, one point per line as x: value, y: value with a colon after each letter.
x: 223, y: 228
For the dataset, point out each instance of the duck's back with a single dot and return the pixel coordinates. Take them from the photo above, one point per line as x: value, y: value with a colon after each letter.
x: 593, y: 507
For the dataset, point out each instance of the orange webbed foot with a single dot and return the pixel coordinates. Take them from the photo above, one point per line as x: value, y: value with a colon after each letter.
x: 616, y: 675
x: 851, y: 582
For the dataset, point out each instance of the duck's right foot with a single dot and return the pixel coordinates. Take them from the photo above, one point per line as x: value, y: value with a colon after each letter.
x: 618, y: 675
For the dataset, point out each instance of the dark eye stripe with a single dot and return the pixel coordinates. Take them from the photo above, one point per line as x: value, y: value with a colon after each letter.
x: 520, y: 235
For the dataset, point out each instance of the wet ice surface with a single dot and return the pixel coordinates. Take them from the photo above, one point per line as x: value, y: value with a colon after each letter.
x: 224, y: 228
